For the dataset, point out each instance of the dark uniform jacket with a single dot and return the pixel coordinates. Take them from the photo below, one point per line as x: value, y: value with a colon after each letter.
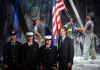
x: 66, y: 50
x: 31, y: 53
x: 12, y: 53
x: 48, y: 55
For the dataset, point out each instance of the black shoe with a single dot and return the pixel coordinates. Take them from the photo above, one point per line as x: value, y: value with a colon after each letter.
x: 93, y: 57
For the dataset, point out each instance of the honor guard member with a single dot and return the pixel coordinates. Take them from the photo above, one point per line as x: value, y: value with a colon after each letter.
x: 12, y: 53
x: 66, y: 51
x: 49, y: 55
x: 31, y: 53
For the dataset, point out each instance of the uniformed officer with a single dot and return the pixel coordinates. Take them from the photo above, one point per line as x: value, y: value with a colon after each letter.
x: 30, y: 53
x: 49, y: 55
x: 12, y: 53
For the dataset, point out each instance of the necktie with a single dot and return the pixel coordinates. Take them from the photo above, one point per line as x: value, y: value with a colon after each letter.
x: 13, y: 43
x: 61, y: 42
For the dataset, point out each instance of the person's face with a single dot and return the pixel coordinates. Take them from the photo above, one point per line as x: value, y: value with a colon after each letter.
x: 37, y: 21
x: 29, y: 38
x: 62, y: 32
x: 48, y: 42
x: 88, y: 17
x: 71, y: 20
x: 13, y: 37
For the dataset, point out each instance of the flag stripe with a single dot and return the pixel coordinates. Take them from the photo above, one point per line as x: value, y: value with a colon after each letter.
x: 58, y: 1
x: 55, y: 18
x: 55, y: 32
x: 58, y: 8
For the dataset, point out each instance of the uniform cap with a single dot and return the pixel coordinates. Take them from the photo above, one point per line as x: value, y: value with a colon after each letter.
x: 48, y: 37
x: 29, y: 34
x: 13, y: 33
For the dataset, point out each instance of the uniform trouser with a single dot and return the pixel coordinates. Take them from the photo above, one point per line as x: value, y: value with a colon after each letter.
x: 46, y: 67
x: 89, y: 46
x: 62, y: 66
x: 31, y: 67
x: 14, y: 67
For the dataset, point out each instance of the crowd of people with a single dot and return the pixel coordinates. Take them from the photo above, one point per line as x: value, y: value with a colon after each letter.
x: 37, y: 53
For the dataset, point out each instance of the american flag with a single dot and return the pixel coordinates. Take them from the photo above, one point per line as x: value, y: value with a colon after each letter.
x: 58, y: 6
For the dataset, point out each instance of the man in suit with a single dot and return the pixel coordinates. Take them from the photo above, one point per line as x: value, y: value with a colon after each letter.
x: 12, y: 58
x: 66, y: 51
x: 30, y: 53
x: 49, y: 55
